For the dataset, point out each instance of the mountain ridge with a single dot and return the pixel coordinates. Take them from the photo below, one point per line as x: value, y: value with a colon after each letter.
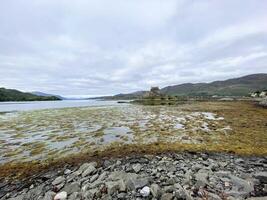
x: 240, y: 86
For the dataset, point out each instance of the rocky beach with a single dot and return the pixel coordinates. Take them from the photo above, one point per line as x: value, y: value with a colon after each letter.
x: 165, y: 176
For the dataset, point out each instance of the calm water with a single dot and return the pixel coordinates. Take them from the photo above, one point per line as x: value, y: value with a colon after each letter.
x: 36, y: 105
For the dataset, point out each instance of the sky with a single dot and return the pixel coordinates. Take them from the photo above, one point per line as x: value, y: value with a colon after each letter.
x: 103, y: 47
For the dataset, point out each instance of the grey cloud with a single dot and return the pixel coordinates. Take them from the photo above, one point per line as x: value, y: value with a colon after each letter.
x: 103, y: 47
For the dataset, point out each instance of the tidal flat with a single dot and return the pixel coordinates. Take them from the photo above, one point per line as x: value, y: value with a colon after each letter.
x: 31, y: 139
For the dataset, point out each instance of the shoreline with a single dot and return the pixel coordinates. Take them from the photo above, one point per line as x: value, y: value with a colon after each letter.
x: 21, y: 170
x: 240, y: 168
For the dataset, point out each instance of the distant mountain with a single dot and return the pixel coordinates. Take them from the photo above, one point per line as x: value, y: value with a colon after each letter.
x: 41, y: 94
x: 15, y: 95
x: 232, y: 87
x: 129, y: 96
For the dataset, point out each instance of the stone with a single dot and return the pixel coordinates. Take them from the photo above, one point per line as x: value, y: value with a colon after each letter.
x: 90, y: 194
x: 75, y: 196
x: 167, y: 196
x: 67, y: 172
x: 243, y: 185
x: 257, y: 198
x: 262, y: 176
x: 180, y: 192
x: 35, y: 192
x: 145, y: 191
x: 112, y: 186
x: 122, y: 186
x: 155, y: 190
x: 122, y: 195
x: 86, y: 165
x: 201, y: 178
x: 136, y: 183
x: 72, y: 187
x: 137, y: 167
x: 19, y: 197
x: 58, y: 180
x: 89, y: 171
x: 94, y: 178
x: 61, y: 196
x: 49, y: 195
x: 212, y: 196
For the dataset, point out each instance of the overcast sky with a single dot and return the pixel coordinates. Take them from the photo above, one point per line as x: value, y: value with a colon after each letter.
x: 99, y: 47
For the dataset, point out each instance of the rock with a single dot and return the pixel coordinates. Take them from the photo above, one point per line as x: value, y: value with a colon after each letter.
x: 35, y: 192
x: 94, y: 177
x: 212, y: 196
x: 72, y: 187
x: 180, y: 192
x: 58, y: 180
x: 137, y: 167
x: 243, y: 185
x: 90, y: 194
x: 122, y: 195
x: 145, y: 191
x: 49, y: 195
x: 167, y: 196
x: 236, y: 194
x: 67, y: 172
x: 262, y: 176
x: 89, y: 171
x: 86, y: 165
x: 155, y: 190
x: 202, y: 178
x: 61, y: 196
x: 136, y: 183
x: 123, y: 186
x: 75, y: 196
x: 112, y: 186
x: 102, y: 176
x: 257, y: 198
x: 19, y: 197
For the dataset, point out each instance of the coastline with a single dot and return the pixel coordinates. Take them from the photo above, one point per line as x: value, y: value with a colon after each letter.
x: 184, y: 175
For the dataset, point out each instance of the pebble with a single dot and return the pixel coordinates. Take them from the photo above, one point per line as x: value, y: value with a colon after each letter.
x: 145, y: 191
x: 61, y: 196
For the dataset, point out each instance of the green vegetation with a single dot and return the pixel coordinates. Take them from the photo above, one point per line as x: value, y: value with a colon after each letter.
x: 15, y: 95
x: 233, y: 87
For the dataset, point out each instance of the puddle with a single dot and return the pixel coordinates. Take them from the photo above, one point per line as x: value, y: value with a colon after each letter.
x: 117, y: 133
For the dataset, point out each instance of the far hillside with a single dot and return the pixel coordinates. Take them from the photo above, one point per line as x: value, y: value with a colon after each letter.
x: 242, y: 86
x: 15, y: 95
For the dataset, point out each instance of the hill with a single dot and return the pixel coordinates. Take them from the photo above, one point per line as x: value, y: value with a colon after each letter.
x: 232, y: 87
x: 241, y: 86
x: 42, y: 94
x: 15, y: 95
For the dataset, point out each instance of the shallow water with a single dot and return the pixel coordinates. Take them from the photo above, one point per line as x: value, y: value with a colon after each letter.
x: 37, y: 105
x: 44, y: 133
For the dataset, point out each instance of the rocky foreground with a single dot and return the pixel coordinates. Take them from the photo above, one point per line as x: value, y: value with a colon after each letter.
x: 166, y: 177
